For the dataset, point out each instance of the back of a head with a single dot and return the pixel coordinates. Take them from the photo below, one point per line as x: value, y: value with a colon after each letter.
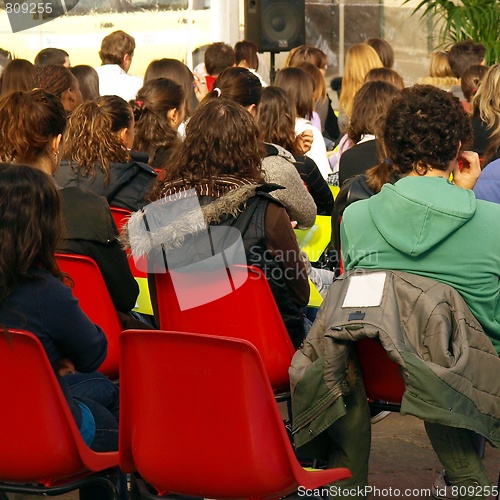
x: 92, y: 138
x: 369, y: 109
x: 18, y: 74
x: 318, y: 78
x: 464, y: 54
x: 88, y: 79
x: 360, y: 58
x: 51, y: 56
x: 115, y: 46
x: 231, y: 148
x: 175, y: 70
x: 54, y: 79
x: 385, y: 75
x: 486, y: 102
x: 30, y: 224
x: 152, y: 127
x: 218, y: 57
x: 29, y: 120
x: 424, y: 127
x: 440, y: 65
x: 245, y: 54
x: 300, y: 87
x: 383, y: 49
x: 239, y: 85
x: 309, y: 54
x: 471, y: 78
x: 276, y: 118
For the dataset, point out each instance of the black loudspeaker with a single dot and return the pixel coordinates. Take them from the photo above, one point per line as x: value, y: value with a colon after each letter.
x: 275, y: 25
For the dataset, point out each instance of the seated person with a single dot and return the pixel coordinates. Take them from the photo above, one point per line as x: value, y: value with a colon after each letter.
x: 426, y: 225
x: 98, y: 156
x: 33, y: 297
x: 223, y: 165
x: 89, y: 229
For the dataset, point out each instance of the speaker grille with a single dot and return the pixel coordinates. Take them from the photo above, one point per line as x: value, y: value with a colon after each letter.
x: 275, y: 25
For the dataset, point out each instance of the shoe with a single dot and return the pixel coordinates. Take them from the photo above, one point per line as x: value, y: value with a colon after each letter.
x: 441, y: 488
x: 377, y: 417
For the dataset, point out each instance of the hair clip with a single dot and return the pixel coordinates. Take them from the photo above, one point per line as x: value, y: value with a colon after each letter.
x: 139, y: 104
x: 217, y: 89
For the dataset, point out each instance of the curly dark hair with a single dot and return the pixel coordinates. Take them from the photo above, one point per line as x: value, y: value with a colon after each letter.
x: 30, y: 224
x: 92, y: 139
x: 222, y: 139
x: 424, y: 127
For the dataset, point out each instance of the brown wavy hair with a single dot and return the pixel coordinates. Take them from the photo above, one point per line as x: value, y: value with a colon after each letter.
x: 152, y: 128
x: 222, y: 139
x: 30, y: 225
x: 276, y: 118
x: 28, y: 121
x: 54, y: 79
x: 91, y: 139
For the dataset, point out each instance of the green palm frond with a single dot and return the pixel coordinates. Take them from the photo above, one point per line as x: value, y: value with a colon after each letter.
x: 478, y: 20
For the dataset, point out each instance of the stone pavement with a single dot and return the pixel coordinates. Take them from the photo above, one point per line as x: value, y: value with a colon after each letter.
x: 401, y: 459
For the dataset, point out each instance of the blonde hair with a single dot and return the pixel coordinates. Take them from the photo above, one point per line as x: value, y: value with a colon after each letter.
x: 440, y: 65
x: 360, y: 58
x: 486, y: 102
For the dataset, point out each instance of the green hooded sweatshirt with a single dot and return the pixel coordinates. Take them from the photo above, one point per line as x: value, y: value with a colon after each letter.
x: 429, y: 226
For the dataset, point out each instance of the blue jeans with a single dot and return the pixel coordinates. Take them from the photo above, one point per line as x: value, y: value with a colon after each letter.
x: 101, y: 396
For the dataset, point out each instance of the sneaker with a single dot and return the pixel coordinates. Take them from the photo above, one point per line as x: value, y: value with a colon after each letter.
x: 377, y: 417
x: 441, y: 488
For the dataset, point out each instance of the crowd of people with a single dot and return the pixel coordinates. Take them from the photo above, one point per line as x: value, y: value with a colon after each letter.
x: 417, y: 168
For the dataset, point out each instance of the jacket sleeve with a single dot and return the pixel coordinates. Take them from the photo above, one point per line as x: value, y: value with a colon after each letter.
x: 78, y: 339
x: 298, y: 203
x: 282, y: 243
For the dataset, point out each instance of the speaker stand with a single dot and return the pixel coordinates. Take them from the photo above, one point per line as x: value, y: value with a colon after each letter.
x: 272, y: 71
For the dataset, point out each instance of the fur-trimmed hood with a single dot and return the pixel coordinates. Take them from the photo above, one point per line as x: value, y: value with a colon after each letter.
x: 168, y: 221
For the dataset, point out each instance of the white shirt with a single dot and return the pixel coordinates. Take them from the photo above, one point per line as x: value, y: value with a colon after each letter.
x: 114, y: 81
x: 318, y: 149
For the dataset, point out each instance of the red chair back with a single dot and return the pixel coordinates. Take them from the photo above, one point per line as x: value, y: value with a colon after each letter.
x: 40, y: 441
x: 198, y: 417
x: 121, y: 215
x: 93, y: 295
x: 382, y: 376
x: 247, y: 312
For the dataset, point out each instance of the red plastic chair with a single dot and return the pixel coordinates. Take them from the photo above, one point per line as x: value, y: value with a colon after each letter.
x: 121, y: 215
x: 198, y: 417
x: 382, y: 377
x: 248, y: 312
x: 93, y: 295
x: 41, y: 449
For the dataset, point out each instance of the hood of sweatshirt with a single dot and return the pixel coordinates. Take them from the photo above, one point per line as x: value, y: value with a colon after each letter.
x: 417, y: 213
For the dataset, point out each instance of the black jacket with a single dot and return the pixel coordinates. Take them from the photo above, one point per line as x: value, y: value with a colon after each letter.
x: 128, y: 185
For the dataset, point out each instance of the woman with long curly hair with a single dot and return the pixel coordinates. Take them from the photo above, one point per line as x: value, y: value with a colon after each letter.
x: 220, y: 162
x: 98, y: 156
x: 159, y: 110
